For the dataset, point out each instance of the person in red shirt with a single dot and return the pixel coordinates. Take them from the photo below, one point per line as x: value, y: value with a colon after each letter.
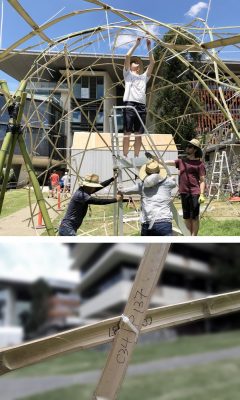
x: 54, y: 179
x: 191, y: 184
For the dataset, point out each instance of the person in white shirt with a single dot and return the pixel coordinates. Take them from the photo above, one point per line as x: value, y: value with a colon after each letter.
x: 155, y: 189
x: 135, y: 96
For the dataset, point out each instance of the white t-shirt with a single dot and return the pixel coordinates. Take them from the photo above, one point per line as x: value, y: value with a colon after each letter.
x: 135, y: 86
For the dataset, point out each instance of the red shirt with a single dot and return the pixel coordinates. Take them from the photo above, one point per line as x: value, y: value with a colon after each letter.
x: 190, y: 172
x: 54, y: 179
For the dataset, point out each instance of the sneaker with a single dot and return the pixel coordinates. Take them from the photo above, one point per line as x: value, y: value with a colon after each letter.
x: 149, y: 155
x: 125, y: 161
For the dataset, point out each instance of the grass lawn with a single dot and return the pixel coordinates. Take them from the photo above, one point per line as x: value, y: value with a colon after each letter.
x: 15, y: 200
x: 87, y: 360
x: 212, y: 381
x: 213, y: 227
x: 99, y: 220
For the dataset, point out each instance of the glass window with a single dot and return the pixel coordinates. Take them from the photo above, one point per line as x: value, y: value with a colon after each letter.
x: 100, y: 87
x: 76, y: 116
x: 85, y: 92
x: 77, y: 90
x: 99, y: 119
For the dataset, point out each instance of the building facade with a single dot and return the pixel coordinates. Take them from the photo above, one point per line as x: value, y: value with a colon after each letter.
x: 43, y: 132
x: 107, y: 272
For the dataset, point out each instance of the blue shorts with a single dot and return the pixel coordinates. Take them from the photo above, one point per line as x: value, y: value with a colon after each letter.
x: 159, y: 228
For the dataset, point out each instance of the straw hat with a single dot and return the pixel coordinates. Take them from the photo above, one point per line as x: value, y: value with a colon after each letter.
x: 152, y: 167
x: 137, y: 60
x: 91, y: 181
x: 195, y: 143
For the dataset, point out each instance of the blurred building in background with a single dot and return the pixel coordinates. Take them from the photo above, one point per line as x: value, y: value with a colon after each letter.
x: 15, y: 302
x: 108, y: 270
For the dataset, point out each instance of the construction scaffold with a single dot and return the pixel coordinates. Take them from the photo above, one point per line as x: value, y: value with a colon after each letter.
x: 213, y: 77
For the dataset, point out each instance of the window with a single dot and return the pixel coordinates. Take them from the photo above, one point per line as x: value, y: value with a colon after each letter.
x: 85, y: 88
x: 76, y: 116
x: 99, y: 119
x: 100, y: 87
x: 77, y: 89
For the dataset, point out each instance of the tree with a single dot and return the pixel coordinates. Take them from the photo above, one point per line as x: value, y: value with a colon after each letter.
x: 171, y: 102
x: 39, y: 307
x: 227, y: 268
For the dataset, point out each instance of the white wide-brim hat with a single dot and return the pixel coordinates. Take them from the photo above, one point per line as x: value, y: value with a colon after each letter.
x: 91, y: 181
x: 152, y: 167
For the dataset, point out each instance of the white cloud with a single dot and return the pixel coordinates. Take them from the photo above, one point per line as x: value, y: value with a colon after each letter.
x: 196, y: 9
x: 29, y: 261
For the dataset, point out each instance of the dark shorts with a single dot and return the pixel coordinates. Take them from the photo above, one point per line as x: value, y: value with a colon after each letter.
x: 190, y: 205
x: 161, y: 228
x: 131, y: 122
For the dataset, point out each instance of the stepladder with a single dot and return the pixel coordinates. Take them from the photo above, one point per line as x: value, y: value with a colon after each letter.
x: 221, y: 180
x: 128, y: 169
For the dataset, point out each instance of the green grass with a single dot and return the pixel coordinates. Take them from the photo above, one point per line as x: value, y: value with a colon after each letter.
x: 96, y: 226
x: 14, y: 200
x: 17, y: 199
x: 213, y: 227
x: 87, y: 360
x: 215, y: 381
x: 99, y: 221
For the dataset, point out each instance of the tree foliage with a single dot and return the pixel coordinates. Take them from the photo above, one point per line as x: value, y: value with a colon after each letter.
x: 37, y: 316
x: 170, y: 101
x: 227, y: 268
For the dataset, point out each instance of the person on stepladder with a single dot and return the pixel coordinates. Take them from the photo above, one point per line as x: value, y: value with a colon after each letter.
x: 135, y: 96
x: 191, y: 184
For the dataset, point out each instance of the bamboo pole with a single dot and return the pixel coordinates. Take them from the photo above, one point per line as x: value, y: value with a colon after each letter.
x: 7, y: 170
x: 102, y: 332
x: 221, y: 42
x: 4, y: 150
x: 8, y: 137
x: 22, y: 12
x: 18, y: 100
x: 131, y: 322
x: 36, y: 186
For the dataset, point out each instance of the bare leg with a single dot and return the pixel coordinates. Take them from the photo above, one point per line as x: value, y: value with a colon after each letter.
x: 188, y: 223
x: 126, y: 143
x: 195, y: 226
x: 137, y: 144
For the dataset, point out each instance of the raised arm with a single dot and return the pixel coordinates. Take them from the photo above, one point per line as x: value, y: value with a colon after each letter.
x: 151, y: 59
x: 130, y: 53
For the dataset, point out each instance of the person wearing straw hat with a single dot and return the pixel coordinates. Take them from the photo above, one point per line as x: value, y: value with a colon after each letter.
x: 155, y: 189
x: 80, y: 201
x: 191, y: 184
x: 135, y: 96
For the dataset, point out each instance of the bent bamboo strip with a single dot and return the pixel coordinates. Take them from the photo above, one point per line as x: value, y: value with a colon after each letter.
x: 103, y: 332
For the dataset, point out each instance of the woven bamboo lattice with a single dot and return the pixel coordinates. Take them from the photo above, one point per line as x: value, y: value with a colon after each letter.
x: 121, y: 28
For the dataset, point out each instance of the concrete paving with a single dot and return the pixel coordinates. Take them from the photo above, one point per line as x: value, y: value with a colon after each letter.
x: 17, y: 224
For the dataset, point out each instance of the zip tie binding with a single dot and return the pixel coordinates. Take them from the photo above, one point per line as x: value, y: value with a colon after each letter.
x: 126, y: 320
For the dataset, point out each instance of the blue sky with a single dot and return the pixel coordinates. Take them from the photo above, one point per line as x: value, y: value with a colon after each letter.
x: 220, y: 13
x: 30, y: 261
